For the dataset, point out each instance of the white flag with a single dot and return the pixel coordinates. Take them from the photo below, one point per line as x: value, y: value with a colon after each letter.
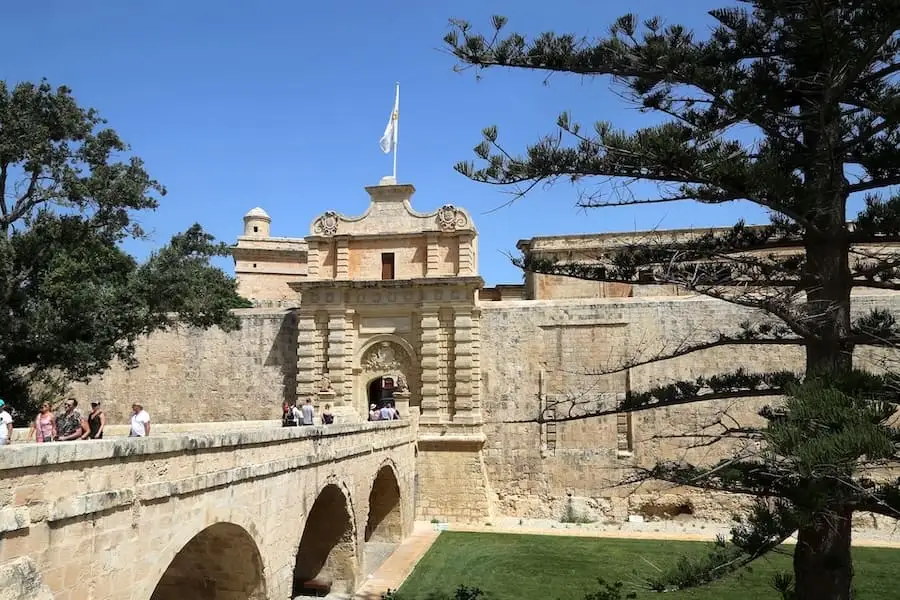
x: 389, y: 139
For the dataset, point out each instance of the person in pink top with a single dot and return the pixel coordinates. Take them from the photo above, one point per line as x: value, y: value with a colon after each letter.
x: 44, y: 425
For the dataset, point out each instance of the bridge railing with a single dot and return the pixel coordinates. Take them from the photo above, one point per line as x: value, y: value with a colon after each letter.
x: 21, y: 434
x: 63, y: 480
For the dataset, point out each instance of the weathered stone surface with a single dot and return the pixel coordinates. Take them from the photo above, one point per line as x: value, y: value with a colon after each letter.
x: 21, y: 580
x: 13, y: 518
x: 124, y: 517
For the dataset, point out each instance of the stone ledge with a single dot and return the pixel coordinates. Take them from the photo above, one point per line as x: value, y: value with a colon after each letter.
x: 14, y: 518
x: 197, y: 483
x: 433, y: 440
x: 76, y: 506
x: 37, y: 455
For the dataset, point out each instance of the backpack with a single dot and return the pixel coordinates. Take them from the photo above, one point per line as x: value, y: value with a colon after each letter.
x: 290, y: 418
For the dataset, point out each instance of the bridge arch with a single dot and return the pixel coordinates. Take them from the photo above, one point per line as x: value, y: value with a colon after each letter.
x: 221, y: 561
x: 326, y: 557
x: 385, y: 519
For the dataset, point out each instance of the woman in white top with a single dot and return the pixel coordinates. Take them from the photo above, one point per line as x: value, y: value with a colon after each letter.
x: 140, y: 421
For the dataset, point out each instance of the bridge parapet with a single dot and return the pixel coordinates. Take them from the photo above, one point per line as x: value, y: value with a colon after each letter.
x: 85, y: 501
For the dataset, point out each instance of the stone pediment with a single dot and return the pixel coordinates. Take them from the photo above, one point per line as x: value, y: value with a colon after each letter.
x: 390, y: 213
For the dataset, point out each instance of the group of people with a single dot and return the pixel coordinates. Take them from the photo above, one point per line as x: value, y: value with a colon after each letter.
x: 388, y: 412
x: 294, y: 416
x: 70, y: 424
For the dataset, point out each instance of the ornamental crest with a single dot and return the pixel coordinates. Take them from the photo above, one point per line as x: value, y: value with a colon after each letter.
x: 327, y: 224
x: 384, y: 357
x: 450, y: 218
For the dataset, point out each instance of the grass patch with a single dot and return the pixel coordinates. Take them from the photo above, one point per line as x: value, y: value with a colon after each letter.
x: 538, y: 567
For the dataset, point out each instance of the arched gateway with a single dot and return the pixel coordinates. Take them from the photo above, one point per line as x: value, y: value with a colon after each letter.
x: 388, y: 312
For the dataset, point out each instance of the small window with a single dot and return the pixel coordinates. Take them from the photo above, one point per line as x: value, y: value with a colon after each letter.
x: 255, y: 229
x: 387, y: 265
x: 254, y: 265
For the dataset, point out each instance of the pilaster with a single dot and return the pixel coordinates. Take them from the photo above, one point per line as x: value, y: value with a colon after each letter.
x: 313, y: 260
x: 336, y: 354
x: 307, y: 351
x: 342, y: 257
x: 431, y: 392
x: 463, y: 392
x: 466, y: 254
x: 431, y: 254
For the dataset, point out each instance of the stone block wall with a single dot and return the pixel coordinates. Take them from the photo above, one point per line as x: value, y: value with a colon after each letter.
x: 162, y: 517
x: 546, y: 354
x: 190, y: 375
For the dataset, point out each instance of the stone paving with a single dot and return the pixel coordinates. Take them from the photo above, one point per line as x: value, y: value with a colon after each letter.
x: 394, y: 571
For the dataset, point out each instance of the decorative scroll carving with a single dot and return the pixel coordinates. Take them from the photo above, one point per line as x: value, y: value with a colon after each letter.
x: 450, y: 218
x: 401, y: 383
x: 385, y: 357
x: 327, y: 224
x: 325, y: 384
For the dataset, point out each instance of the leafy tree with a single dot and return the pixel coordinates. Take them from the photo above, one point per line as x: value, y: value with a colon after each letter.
x: 816, y: 81
x: 73, y: 300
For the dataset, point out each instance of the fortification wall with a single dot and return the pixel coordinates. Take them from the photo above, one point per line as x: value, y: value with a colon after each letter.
x: 543, y: 353
x: 189, y: 375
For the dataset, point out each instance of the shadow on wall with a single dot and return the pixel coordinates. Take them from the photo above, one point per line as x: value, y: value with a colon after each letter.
x: 222, y: 561
x: 326, y: 558
x: 283, y: 354
x: 384, y: 526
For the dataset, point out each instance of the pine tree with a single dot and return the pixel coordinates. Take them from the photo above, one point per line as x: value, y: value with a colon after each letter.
x: 817, y: 82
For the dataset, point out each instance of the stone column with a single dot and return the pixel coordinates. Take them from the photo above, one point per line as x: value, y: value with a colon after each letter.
x: 431, y: 399
x: 463, y: 366
x: 307, y: 346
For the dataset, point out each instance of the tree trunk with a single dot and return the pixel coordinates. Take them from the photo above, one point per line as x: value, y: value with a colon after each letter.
x: 823, y: 566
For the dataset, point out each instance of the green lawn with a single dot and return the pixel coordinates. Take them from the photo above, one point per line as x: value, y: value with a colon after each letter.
x: 535, y: 567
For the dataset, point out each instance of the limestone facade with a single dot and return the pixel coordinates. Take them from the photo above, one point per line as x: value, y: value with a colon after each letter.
x: 252, y: 514
x: 394, y: 295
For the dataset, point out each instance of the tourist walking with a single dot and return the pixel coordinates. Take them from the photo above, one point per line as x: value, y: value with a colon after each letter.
x: 96, y: 423
x: 6, y: 424
x: 374, y: 415
x: 44, y: 425
x: 309, y: 412
x: 290, y: 415
x: 386, y: 413
x: 140, y: 421
x: 327, y: 417
x: 70, y: 425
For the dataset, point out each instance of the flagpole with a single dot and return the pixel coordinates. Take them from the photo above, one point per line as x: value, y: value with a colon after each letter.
x: 396, y: 128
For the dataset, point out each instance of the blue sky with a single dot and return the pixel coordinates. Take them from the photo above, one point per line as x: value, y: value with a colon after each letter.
x: 280, y: 104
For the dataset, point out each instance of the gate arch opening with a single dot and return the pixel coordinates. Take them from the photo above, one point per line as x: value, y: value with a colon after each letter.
x: 326, y: 558
x: 222, y: 561
x: 384, y: 526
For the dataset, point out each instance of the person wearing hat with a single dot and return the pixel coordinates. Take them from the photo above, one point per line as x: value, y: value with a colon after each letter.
x: 96, y: 423
x: 6, y: 425
x: 140, y: 421
x: 374, y: 414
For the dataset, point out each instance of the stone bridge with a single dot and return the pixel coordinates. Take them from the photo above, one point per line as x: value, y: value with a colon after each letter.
x: 247, y: 515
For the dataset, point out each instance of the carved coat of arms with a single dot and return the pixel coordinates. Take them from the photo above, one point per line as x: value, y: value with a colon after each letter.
x: 327, y: 224
x: 450, y: 218
x: 382, y: 357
